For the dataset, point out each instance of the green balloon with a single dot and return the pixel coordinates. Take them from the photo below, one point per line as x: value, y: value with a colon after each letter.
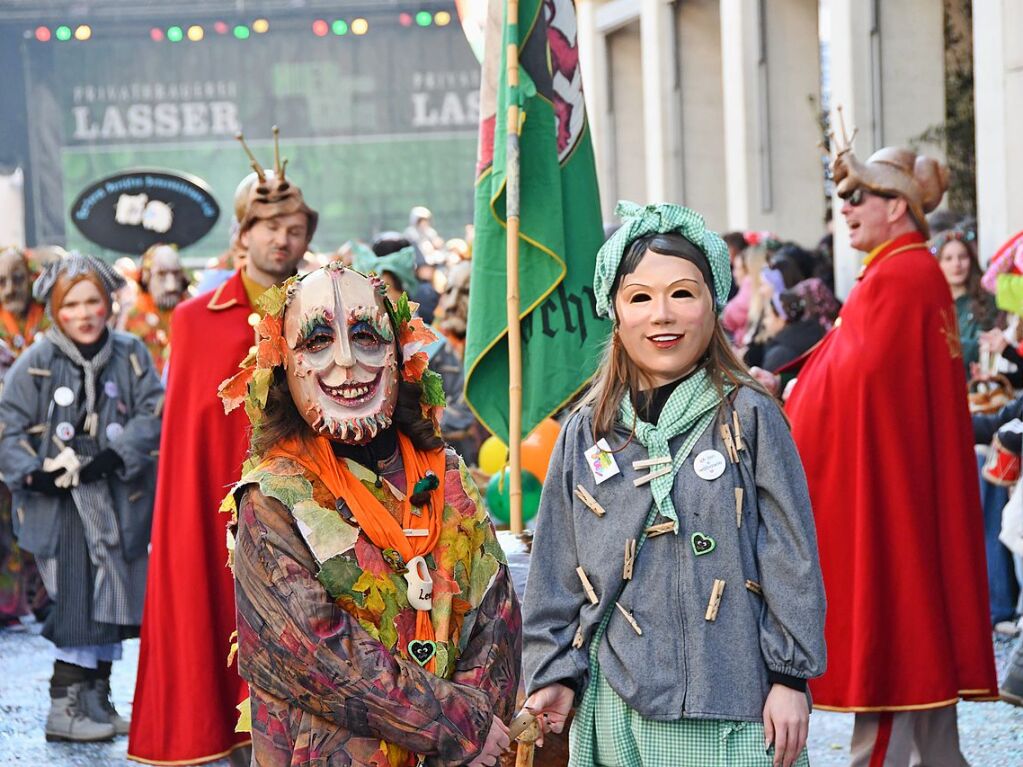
x: 499, y: 499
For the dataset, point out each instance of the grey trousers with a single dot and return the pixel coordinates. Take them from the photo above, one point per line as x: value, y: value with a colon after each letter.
x: 927, y: 738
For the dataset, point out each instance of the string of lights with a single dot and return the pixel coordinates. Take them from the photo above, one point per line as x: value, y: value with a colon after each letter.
x: 197, y: 32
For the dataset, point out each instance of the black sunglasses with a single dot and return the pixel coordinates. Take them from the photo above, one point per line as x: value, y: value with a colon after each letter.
x: 858, y: 195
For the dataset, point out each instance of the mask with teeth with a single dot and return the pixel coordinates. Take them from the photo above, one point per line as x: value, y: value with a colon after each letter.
x: 342, y: 365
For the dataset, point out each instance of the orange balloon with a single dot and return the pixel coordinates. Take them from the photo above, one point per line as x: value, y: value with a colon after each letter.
x: 538, y: 446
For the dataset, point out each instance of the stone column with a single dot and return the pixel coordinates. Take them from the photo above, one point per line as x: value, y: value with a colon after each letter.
x: 998, y: 98
x: 888, y: 74
x: 660, y: 101
x: 771, y: 81
x: 701, y: 120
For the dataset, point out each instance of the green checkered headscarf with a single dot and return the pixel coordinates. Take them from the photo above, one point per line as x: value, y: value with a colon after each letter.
x: 663, y: 218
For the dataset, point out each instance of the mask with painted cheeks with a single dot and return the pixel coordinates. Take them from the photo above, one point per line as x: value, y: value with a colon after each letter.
x: 342, y: 366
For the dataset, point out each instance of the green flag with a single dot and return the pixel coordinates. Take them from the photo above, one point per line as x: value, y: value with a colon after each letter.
x: 560, y: 223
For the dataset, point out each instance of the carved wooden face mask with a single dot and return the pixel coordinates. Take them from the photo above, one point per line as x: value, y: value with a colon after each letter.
x: 342, y: 357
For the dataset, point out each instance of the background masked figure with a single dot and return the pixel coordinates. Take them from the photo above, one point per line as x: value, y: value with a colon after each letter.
x: 20, y: 317
x: 376, y: 615
x: 21, y: 588
x: 163, y: 285
x: 81, y: 410
x: 457, y: 424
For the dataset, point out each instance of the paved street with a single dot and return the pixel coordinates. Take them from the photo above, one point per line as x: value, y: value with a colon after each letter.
x: 992, y: 733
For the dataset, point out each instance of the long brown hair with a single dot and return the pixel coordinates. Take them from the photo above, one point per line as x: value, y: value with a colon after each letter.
x: 618, y: 376
x: 980, y: 300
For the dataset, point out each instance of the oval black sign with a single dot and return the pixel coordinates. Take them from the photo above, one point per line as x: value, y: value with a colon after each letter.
x: 138, y: 208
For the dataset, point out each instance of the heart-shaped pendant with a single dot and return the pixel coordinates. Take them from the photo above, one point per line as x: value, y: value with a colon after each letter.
x: 422, y: 650
x: 702, y: 544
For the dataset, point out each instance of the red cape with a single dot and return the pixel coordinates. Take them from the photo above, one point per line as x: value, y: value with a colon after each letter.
x: 185, y: 695
x: 880, y: 418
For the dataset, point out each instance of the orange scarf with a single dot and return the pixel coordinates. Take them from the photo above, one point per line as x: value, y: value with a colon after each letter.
x: 381, y: 528
x: 32, y: 322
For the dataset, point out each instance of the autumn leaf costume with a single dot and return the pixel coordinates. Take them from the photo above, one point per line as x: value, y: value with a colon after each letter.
x: 377, y: 622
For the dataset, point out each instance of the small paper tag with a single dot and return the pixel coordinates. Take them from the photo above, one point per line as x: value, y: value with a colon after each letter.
x: 709, y: 464
x: 601, y: 461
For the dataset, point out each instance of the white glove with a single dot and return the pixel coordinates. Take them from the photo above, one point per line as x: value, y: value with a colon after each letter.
x: 68, y: 461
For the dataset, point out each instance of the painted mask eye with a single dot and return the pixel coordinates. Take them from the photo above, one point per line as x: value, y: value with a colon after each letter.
x: 318, y: 340
x: 364, y: 336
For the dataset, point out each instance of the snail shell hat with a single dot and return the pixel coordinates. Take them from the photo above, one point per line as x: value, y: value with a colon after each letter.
x: 918, y: 179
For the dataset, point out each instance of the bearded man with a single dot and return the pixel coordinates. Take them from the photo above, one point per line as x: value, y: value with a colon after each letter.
x: 879, y: 415
x: 163, y: 285
x: 185, y: 694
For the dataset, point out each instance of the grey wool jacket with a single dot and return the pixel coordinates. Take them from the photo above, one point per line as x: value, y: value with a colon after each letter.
x: 128, y: 394
x: 684, y: 664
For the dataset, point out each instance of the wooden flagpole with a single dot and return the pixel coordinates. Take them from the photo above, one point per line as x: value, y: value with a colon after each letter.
x: 512, y: 296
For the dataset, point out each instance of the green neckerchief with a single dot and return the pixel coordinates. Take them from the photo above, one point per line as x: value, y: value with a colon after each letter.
x: 689, y: 410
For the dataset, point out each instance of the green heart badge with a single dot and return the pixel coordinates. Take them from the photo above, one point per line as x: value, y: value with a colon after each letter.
x: 422, y: 650
x: 702, y: 544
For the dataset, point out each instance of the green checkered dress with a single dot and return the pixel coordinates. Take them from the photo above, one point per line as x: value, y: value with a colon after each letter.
x: 623, y: 738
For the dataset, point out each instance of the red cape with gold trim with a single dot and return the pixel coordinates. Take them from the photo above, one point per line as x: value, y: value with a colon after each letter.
x: 185, y: 694
x: 880, y: 418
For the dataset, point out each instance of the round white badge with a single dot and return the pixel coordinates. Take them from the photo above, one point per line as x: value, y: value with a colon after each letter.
x: 63, y: 396
x: 110, y: 389
x: 64, y: 431
x: 114, y: 430
x: 709, y: 464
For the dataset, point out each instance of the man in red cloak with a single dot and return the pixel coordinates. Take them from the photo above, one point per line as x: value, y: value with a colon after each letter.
x: 880, y: 418
x: 185, y: 694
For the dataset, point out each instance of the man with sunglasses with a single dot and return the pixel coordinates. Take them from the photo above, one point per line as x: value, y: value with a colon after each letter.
x: 880, y: 417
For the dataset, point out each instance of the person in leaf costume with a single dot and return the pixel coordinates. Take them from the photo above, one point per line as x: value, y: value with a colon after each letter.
x: 184, y: 692
x: 377, y: 621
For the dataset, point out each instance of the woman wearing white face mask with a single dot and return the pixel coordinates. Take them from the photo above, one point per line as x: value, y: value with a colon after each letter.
x: 674, y: 595
x: 81, y: 411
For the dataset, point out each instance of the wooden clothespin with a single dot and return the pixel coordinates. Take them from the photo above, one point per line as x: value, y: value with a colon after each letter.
x: 587, y: 586
x: 638, y: 481
x: 159, y: 407
x: 738, y: 506
x: 629, y: 618
x: 92, y: 423
x: 726, y: 435
x: 28, y: 448
x: 135, y: 365
x: 646, y: 463
x: 738, y: 432
x: 39, y: 428
x: 660, y: 529
x: 580, y: 639
x: 589, y: 501
x: 630, y: 558
x: 715, y: 600
x: 412, y: 532
x: 41, y: 372
x: 58, y: 442
x: 754, y: 587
